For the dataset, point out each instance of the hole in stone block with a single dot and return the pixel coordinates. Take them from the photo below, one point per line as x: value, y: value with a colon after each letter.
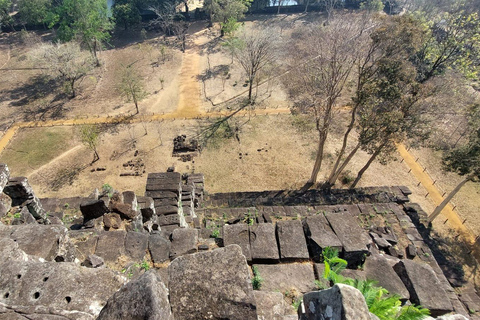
x: 68, y: 299
x: 36, y: 295
x: 45, y: 279
x: 6, y: 295
x: 19, y: 276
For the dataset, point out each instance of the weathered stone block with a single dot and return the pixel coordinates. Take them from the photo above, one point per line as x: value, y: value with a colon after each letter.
x: 184, y: 241
x: 320, y: 235
x: 263, y: 242
x: 341, y: 302
x: 194, y: 294
x: 112, y: 220
x: 169, y: 220
x: 93, y: 209
x: 424, y: 287
x: 136, y: 245
x: 4, y: 176
x: 377, y: 268
x: 159, y: 248
x: 270, y: 305
x: 238, y: 234
x: 111, y: 245
x: 143, y: 298
x: 130, y: 198
x: 291, y: 240
x: 56, y: 288
x: 354, y: 239
x: 124, y: 210
x: 285, y: 277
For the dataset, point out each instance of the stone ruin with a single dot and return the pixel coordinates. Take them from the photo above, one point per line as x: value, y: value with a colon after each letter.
x: 185, y: 149
x: 176, y: 253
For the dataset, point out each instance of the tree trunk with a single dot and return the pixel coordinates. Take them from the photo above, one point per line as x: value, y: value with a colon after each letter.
x: 279, y: 5
x: 442, y: 205
x: 319, y: 158
x: 250, y: 85
x: 96, y: 157
x: 136, y: 104
x: 306, y: 6
x: 72, y: 89
x: 331, y: 180
x: 369, y: 162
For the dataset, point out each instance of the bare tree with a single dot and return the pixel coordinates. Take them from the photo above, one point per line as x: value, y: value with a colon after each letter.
x: 66, y: 61
x: 316, y: 85
x: 329, y: 6
x: 254, y: 49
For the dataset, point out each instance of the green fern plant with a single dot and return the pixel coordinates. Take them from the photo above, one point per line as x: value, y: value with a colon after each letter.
x: 385, y: 308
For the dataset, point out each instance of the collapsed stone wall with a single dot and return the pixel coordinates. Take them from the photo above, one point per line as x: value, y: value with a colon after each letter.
x: 201, y: 252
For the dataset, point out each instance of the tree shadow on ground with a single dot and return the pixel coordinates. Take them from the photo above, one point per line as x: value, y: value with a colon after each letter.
x: 39, y: 98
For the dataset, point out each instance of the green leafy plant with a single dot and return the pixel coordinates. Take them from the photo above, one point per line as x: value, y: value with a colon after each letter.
x: 216, y: 233
x: 108, y: 189
x: 384, y: 307
x: 144, y: 265
x: 257, y: 279
x: 17, y: 215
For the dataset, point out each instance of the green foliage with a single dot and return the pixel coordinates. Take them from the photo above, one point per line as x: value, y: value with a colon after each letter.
x: 257, y: 280
x: 34, y: 12
x: 465, y: 158
x: 215, y: 233
x: 230, y: 26
x: 131, y: 85
x: 5, y: 18
x: 85, y: 20
x: 126, y: 14
x: 385, y: 308
x: 17, y: 215
x: 452, y: 42
x: 108, y: 189
x: 223, y: 10
x: 372, y: 5
x: 89, y: 135
x: 333, y: 264
x: 144, y: 265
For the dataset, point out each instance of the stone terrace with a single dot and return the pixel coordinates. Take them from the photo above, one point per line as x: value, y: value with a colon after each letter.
x: 280, y: 233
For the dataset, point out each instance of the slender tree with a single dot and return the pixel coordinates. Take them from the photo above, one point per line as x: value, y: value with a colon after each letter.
x: 90, y: 134
x: 253, y: 50
x: 131, y: 85
x: 329, y: 57
x: 392, y: 38
x: 464, y: 159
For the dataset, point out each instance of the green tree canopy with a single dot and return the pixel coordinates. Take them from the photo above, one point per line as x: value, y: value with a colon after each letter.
x: 126, y: 13
x: 222, y: 10
x: 85, y: 20
x: 34, y: 11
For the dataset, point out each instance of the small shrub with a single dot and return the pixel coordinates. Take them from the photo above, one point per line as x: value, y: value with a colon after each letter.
x: 144, y: 265
x: 215, y: 233
x: 257, y: 280
x: 17, y: 215
x: 108, y: 189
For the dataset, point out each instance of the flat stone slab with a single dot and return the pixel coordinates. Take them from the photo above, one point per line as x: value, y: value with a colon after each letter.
x: 57, y: 288
x: 238, y: 234
x: 195, y: 294
x: 320, y: 235
x: 263, y: 242
x: 43, y: 241
x: 92, y: 209
x: 424, y: 287
x: 285, y: 277
x: 111, y: 245
x: 377, y: 268
x: 291, y: 240
x: 354, y: 239
x: 184, y: 241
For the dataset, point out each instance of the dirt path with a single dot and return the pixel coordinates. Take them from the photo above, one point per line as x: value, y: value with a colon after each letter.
x: 189, y: 99
x: 63, y: 155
